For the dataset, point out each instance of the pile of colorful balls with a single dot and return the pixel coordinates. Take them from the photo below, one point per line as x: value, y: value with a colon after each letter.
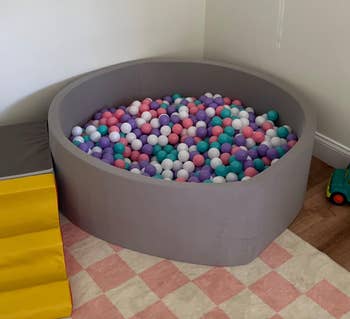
x: 210, y: 139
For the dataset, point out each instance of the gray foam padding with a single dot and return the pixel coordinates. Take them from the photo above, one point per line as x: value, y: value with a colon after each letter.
x: 214, y: 224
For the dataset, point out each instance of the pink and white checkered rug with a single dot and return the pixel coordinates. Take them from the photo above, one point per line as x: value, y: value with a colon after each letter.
x: 290, y: 280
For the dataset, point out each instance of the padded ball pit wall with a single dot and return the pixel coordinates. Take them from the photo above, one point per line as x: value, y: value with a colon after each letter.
x: 213, y: 224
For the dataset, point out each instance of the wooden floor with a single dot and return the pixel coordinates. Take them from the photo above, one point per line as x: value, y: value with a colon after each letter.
x: 320, y: 223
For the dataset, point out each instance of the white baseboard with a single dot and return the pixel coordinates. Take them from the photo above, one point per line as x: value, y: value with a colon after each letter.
x: 330, y: 151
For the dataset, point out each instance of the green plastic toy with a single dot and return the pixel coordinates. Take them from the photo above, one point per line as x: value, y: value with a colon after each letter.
x: 338, y: 189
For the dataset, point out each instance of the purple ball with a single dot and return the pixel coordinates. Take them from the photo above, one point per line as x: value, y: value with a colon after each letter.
x: 194, y: 179
x: 104, y: 142
x: 132, y: 122
x: 143, y: 138
x: 109, y: 158
x: 285, y: 147
x: 164, y: 119
x: 251, y: 117
x: 108, y: 150
x: 208, y: 101
x: 213, y: 105
x: 108, y: 161
x: 292, y: 137
x: 241, y: 155
x: 137, y: 132
x: 154, y: 105
x: 201, y: 115
x: 219, y: 101
x: 150, y: 169
x: 201, y: 132
x: 147, y: 149
x: 171, y: 109
x: 240, y: 140
x: 253, y: 153
x: 184, y: 102
x: 96, y: 154
x: 204, y: 174
x: 189, y: 141
x: 272, y: 154
x: 125, y: 118
x: 202, y: 98
x: 112, y: 109
x: 97, y: 116
x: 226, y: 148
x: 254, y: 126
x: 168, y: 99
x: 248, y: 163
x: 155, y: 131
x: 122, y: 107
x: 143, y: 164
x: 134, y: 165
x: 175, y: 119
x: 192, y: 154
x: 90, y: 144
x: 262, y: 149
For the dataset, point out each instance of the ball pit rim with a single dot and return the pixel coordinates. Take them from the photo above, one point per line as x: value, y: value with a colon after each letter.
x: 55, y: 129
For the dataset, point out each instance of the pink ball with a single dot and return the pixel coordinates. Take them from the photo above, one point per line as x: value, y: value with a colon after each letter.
x: 198, y: 160
x: 180, y: 179
x: 107, y: 114
x: 250, y: 171
x: 266, y: 161
x: 177, y: 129
x: 197, y: 139
x: 201, y: 106
x: 112, y: 121
x: 119, y: 113
x: 127, y: 151
x: 225, y: 158
x: 247, y: 131
x: 119, y: 163
x: 191, y: 104
x: 123, y: 140
x: 146, y: 128
x: 258, y: 137
x: 186, y: 123
x: 103, y: 121
x: 147, y: 100
x: 161, y: 111
x: 113, y: 129
x: 143, y: 157
x: 227, y: 100
x: 267, y: 125
x: 153, y: 113
x: 217, y: 130
x: 235, y: 149
x: 144, y: 108
x: 237, y: 102
x: 227, y: 122
x: 159, y: 101
x: 291, y: 143
x: 173, y: 138
x: 135, y: 155
x: 218, y: 110
x: 193, y: 110
x: 213, y: 139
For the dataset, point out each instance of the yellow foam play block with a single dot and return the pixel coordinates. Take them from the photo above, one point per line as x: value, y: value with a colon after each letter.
x: 50, y: 301
x: 28, y: 204
x: 31, y: 259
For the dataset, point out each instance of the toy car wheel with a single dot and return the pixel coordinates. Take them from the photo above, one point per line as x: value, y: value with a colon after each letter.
x: 338, y: 199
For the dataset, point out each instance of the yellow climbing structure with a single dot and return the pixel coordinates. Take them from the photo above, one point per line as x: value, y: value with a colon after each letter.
x: 33, y: 280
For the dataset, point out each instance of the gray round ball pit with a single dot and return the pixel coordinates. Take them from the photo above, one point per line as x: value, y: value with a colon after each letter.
x: 213, y: 224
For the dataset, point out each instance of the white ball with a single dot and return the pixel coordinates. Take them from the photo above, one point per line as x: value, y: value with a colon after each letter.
x: 245, y: 178
x: 158, y: 167
x: 95, y: 123
x: 213, y: 153
x: 167, y: 164
x: 243, y: 148
x: 271, y: 132
x: 237, y: 124
x: 136, y: 103
x: 249, y: 109
x: 183, y: 115
x: 192, y: 148
x: 135, y: 171
x: 133, y: 110
x: 140, y: 121
x: 178, y: 100
x: 267, y: 143
x: 77, y: 130
x: 275, y: 141
x: 288, y: 128
x: 245, y: 122
x: 90, y: 129
x: 234, y: 111
x: 95, y: 136
x: 96, y: 149
x: 231, y: 177
x: 168, y: 174
x: 78, y: 139
x: 283, y: 141
x: 114, y: 137
x: 182, y: 173
x: 274, y: 161
x: 219, y: 180
x: 126, y: 128
x: 130, y: 137
x: 184, y: 132
x: 177, y: 165
x: 209, y: 94
x: 152, y: 139
x: 264, y: 116
x: 250, y: 142
x: 189, y: 99
x: 183, y: 108
x: 182, y: 147
x: 127, y: 160
x: 162, y: 140
x: 167, y: 179
x: 155, y: 123
x: 201, y: 124
x: 136, y: 144
x: 259, y: 120
x: 243, y: 114
x: 210, y: 111
x: 191, y: 131
x: 147, y: 116
x: 165, y: 130
x: 183, y: 156
x: 215, y: 162
x: 216, y: 95
x: 189, y: 166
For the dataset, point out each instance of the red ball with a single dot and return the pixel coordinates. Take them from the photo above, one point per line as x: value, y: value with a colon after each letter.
x: 180, y: 179
x: 134, y: 155
x: 291, y: 143
x: 146, y: 128
x: 258, y: 137
x: 153, y: 113
x: 143, y: 108
x: 237, y: 102
x: 193, y: 110
x: 247, y: 131
x: 201, y: 106
x: 218, y: 110
x: 227, y: 100
x: 266, y: 161
x: 187, y: 122
x: 123, y: 140
x: 225, y: 158
x: 103, y: 121
x: 143, y: 157
x: 177, y: 128
x: 226, y: 122
x: 161, y: 111
x: 191, y: 104
x: 112, y: 121
x: 267, y: 125
x: 127, y: 151
x: 250, y: 171
x: 107, y: 114
x: 198, y: 160
x: 173, y: 138
x: 235, y: 149
x: 119, y: 163
x: 159, y: 101
x: 217, y: 130
x: 147, y: 101
x: 113, y: 129
x: 119, y: 113
x: 213, y: 139
x: 197, y: 139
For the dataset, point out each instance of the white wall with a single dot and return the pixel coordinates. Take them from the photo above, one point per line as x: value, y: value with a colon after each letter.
x: 314, y: 52
x: 43, y: 42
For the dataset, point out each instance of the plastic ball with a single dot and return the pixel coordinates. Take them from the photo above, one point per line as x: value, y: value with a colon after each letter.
x: 189, y: 166
x: 182, y: 173
x: 136, y: 144
x: 119, y: 163
x: 183, y: 156
x: 198, y: 160
x: 272, y: 115
x: 237, y: 124
x: 219, y: 180
x: 95, y: 136
x: 231, y: 177
x: 214, y: 162
x: 282, y: 132
x: 162, y: 140
x: 259, y: 120
x: 77, y: 130
x: 126, y: 128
